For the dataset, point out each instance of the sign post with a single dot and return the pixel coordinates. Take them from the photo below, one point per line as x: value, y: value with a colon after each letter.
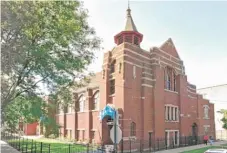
x: 115, y: 133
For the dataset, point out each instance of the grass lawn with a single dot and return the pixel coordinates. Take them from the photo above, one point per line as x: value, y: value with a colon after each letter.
x: 48, y: 145
x: 202, y: 150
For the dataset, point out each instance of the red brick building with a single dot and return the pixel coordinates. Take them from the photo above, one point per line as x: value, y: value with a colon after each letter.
x: 149, y: 89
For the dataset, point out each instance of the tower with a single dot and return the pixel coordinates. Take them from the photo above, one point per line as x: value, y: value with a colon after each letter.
x: 130, y: 33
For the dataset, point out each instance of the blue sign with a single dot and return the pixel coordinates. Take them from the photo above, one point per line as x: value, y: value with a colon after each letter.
x: 108, y: 111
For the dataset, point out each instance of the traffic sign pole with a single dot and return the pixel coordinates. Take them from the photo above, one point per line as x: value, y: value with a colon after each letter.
x: 115, y: 132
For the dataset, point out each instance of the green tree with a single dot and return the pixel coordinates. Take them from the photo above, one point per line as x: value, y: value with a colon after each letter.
x: 48, y: 43
x: 224, y: 118
x: 27, y: 109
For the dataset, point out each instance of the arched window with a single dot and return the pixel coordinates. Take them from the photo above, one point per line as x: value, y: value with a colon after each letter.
x: 170, y: 79
x: 133, y: 129
x: 95, y: 105
x: 81, y: 103
x: 112, y: 66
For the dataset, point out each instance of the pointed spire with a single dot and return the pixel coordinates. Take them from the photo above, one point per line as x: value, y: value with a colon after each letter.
x: 130, y: 26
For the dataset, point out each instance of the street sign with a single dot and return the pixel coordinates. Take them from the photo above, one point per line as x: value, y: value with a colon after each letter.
x: 118, y: 134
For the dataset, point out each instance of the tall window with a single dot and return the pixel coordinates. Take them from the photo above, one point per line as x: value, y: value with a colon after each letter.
x: 69, y: 108
x: 176, y: 114
x: 171, y: 113
x: 133, y: 129
x: 82, y: 103
x: 206, y: 111
x: 170, y: 79
x: 112, y: 86
x: 112, y: 66
x: 174, y: 82
x: 96, y: 101
x: 134, y: 71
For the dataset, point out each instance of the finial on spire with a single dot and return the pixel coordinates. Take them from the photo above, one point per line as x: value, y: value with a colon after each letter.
x: 128, y: 10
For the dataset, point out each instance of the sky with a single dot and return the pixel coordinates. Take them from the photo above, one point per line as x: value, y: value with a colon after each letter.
x: 198, y: 30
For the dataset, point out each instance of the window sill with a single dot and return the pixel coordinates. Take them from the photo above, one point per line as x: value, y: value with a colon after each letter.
x: 171, y: 121
x: 171, y: 91
x: 113, y: 95
x: 206, y: 118
x: 81, y: 112
x: 59, y: 114
x: 69, y: 113
x: 96, y: 110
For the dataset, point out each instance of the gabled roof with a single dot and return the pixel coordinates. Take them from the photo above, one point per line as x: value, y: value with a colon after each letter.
x: 169, y: 47
x: 130, y: 26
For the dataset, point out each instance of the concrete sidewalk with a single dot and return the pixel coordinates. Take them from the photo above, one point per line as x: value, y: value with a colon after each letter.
x: 178, y: 150
x: 6, y: 148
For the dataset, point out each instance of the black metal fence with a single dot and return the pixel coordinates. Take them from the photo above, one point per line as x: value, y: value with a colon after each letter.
x: 32, y: 146
x: 158, y: 144
x: 130, y: 145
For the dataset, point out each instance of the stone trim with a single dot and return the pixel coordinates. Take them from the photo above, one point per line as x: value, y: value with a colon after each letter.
x: 137, y: 65
x: 171, y: 91
x: 191, y: 92
x: 94, y: 130
x: 148, y: 58
x: 171, y: 56
x: 192, y: 97
x: 148, y: 79
x: 146, y: 85
x: 206, y: 125
x: 147, y: 73
x: 191, y: 88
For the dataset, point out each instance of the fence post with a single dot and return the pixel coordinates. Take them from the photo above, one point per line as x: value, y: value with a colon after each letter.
x: 27, y: 145
x: 173, y: 142
x: 87, y: 148
x: 23, y: 145
x: 32, y: 146
x: 49, y: 148
x: 19, y: 143
x: 184, y: 140
x: 166, y: 143
x: 158, y: 144
x: 35, y: 147
x: 149, y: 141
x: 41, y: 147
x: 130, y: 145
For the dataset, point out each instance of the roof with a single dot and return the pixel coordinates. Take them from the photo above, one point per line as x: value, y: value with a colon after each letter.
x: 169, y: 47
x: 94, y: 82
x: 130, y: 25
